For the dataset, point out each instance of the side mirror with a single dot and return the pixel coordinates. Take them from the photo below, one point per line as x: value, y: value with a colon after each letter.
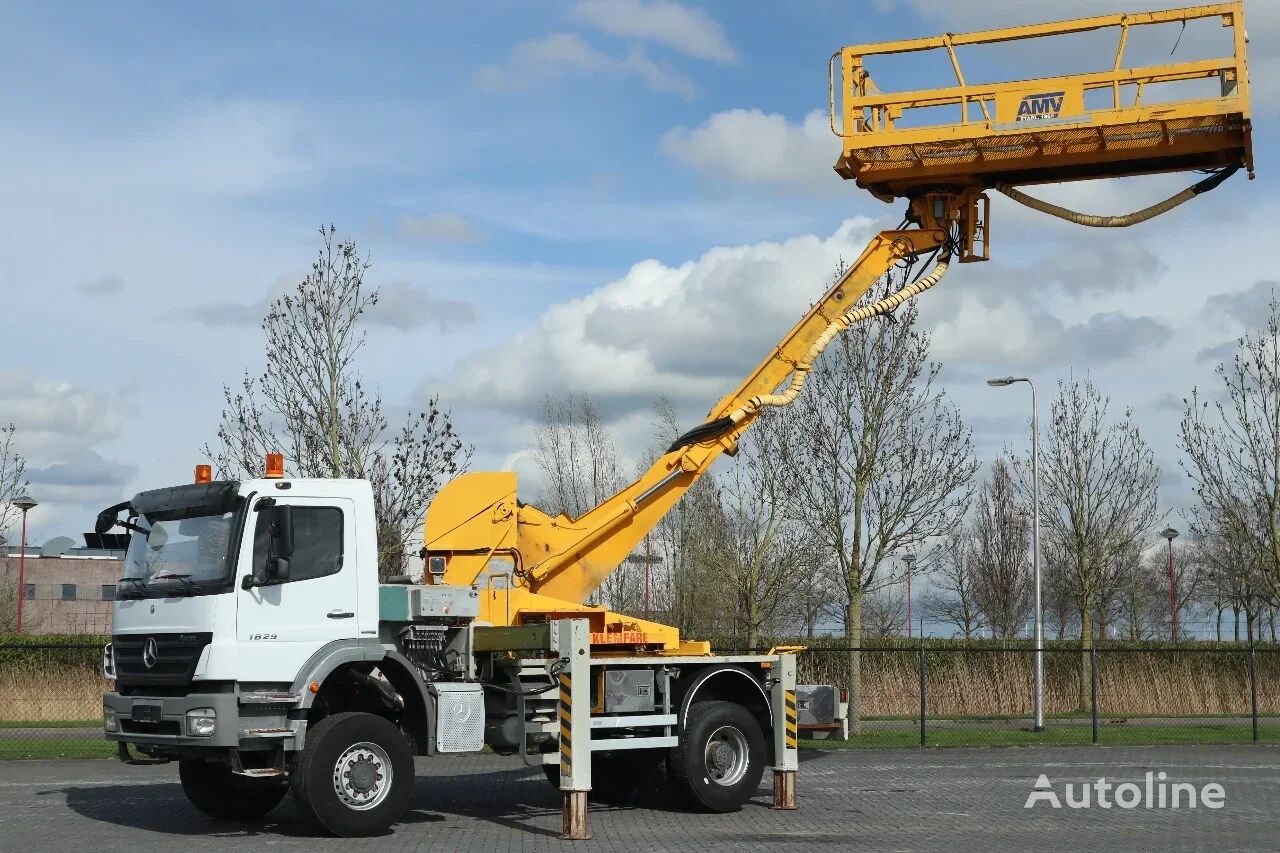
x: 280, y: 548
x: 106, y: 520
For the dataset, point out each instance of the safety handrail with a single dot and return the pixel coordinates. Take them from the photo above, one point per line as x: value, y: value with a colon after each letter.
x: 868, y: 110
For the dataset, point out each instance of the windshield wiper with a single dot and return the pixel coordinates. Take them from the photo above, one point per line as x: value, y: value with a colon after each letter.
x: 189, y: 586
x: 141, y: 586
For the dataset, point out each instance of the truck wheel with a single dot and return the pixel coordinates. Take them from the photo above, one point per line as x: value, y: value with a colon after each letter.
x: 355, y: 776
x: 213, y: 789
x: 718, y: 764
x: 614, y: 776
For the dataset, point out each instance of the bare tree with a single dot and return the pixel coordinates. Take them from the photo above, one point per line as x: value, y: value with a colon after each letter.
x: 686, y: 592
x: 1136, y: 606
x: 1232, y: 447
x: 580, y: 468
x: 13, y: 483
x: 8, y: 595
x: 311, y: 404
x: 884, y: 612
x: 576, y: 454
x: 757, y: 553
x: 880, y: 461
x: 951, y: 598
x: 1232, y: 565
x: 1060, y: 610
x: 1001, y: 565
x: 1099, y: 490
x: 812, y: 599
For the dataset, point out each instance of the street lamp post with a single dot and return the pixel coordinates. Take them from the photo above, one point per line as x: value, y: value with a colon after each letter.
x: 24, y: 503
x: 1171, y: 534
x: 910, y: 560
x: 1037, y: 699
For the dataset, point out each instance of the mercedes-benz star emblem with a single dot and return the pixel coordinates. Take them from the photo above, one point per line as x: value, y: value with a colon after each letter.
x: 150, y: 652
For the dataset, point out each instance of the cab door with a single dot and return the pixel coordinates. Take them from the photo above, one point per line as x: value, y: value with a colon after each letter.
x: 280, y: 625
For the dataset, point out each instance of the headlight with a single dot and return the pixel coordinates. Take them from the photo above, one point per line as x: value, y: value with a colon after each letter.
x: 109, y: 719
x: 108, y: 662
x: 201, y: 722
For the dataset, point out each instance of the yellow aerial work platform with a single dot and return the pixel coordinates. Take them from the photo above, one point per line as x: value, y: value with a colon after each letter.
x: 531, y: 566
x: 1041, y: 130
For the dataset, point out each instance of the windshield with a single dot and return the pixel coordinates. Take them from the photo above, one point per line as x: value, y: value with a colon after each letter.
x: 179, y: 556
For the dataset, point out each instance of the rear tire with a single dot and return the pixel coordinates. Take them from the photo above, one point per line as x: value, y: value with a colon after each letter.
x: 213, y: 789
x: 355, y: 776
x: 719, y: 761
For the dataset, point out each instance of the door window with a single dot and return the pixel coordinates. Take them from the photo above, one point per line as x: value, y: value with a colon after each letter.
x: 317, y: 542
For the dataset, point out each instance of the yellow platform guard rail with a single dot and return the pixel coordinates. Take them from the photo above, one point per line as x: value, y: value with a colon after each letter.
x: 1041, y: 129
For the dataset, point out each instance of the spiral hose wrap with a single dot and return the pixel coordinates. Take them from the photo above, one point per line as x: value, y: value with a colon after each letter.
x: 800, y: 373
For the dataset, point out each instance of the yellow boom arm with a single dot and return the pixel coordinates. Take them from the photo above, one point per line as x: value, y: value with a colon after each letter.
x: 534, y: 566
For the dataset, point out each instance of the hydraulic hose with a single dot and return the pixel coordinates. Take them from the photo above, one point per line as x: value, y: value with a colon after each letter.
x: 800, y: 373
x: 1209, y: 183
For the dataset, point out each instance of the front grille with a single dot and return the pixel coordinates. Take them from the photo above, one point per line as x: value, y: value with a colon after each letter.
x: 175, y: 659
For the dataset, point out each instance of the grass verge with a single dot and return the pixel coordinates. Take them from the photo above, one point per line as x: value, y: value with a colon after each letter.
x: 55, y: 748
x: 1128, y: 735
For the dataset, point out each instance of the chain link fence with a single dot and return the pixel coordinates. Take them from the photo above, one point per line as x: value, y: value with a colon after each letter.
x: 51, y: 697
x: 932, y: 694
x: 960, y: 695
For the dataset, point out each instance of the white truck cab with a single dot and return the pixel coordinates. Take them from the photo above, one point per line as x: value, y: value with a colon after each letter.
x: 195, y: 581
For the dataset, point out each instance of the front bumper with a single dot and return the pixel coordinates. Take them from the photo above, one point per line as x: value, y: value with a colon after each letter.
x: 239, y: 724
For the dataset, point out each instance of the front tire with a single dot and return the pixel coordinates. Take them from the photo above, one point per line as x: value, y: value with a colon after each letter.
x: 355, y: 776
x: 213, y: 789
x: 719, y: 761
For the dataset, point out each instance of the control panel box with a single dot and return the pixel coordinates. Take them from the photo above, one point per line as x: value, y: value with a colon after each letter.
x: 628, y: 691
x: 413, y: 602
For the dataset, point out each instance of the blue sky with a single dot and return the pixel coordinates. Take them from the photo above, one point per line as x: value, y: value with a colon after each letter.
x: 621, y: 197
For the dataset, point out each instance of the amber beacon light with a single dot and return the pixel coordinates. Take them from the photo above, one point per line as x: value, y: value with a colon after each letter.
x: 275, y: 466
x: 204, y: 473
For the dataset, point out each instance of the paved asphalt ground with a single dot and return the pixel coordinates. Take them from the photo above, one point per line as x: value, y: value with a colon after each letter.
x: 955, y: 801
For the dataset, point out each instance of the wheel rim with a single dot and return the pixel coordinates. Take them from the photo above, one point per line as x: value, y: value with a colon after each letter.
x: 362, y: 776
x: 727, y: 756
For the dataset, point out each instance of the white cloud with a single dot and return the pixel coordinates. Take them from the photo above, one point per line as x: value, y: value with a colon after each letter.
x: 81, y: 478
x: 438, y: 228
x: 400, y: 306
x: 690, y: 332
x: 660, y: 330
x: 688, y: 30
x: 104, y: 285
x: 404, y: 307
x: 54, y: 418
x: 57, y: 426
x: 1018, y: 330
x: 758, y: 148
x: 1249, y: 307
x: 538, y: 61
